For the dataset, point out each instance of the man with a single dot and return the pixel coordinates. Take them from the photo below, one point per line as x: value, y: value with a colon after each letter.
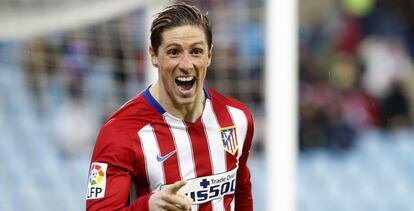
x: 179, y: 145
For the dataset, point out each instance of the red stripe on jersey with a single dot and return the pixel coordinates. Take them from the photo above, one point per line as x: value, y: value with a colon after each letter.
x: 227, y: 202
x: 201, y: 154
x: 166, y: 145
x: 225, y: 120
x: 231, y: 146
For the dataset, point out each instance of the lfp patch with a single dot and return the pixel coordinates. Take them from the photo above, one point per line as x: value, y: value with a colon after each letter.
x: 229, y: 139
x: 97, y: 180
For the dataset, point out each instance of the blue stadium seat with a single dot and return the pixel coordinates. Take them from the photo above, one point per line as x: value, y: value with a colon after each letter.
x: 375, y: 175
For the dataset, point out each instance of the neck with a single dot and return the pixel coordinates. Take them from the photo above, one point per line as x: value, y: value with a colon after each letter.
x: 189, y: 112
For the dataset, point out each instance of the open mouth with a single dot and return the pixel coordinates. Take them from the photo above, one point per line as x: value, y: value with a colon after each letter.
x: 185, y: 83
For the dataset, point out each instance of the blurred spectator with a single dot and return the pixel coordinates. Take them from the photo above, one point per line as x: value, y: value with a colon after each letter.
x: 75, y: 123
x: 388, y: 76
x: 355, y: 74
x: 339, y: 134
x: 395, y: 110
x: 35, y: 64
x: 361, y: 111
x: 322, y: 123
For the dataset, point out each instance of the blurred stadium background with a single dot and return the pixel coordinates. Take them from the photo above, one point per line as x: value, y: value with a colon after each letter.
x: 356, y: 105
x: 66, y: 65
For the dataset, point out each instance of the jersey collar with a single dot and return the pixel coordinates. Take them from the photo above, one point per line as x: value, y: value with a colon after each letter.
x: 154, y: 103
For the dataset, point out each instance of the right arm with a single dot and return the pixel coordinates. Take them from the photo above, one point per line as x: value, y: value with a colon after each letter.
x: 117, y: 151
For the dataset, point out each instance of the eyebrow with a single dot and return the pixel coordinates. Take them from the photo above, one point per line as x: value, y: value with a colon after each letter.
x: 177, y: 45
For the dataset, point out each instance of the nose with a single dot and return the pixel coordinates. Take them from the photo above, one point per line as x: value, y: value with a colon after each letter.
x: 185, y: 62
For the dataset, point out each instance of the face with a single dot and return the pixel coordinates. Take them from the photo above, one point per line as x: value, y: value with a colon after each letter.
x: 182, y: 61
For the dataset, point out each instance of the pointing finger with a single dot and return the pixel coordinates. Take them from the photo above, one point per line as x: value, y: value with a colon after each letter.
x: 176, y: 186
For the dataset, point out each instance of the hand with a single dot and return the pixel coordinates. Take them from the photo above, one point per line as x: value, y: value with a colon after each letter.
x: 170, y: 199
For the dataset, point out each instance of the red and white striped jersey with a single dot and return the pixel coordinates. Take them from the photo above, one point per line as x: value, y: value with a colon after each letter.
x: 143, y: 146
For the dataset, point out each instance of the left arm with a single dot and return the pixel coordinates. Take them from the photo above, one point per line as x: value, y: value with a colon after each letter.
x: 243, y: 194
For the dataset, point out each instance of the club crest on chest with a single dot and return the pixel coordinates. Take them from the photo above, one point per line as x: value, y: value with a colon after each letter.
x: 229, y: 139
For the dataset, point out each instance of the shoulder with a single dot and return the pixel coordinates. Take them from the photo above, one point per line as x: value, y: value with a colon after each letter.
x: 121, y: 128
x: 118, y: 142
x: 134, y: 114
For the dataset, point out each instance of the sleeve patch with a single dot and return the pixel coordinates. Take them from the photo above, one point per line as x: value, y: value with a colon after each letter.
x: 97, y: 181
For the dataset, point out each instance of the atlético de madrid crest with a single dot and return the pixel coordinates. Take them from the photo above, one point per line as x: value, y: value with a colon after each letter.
x: 229, y: 139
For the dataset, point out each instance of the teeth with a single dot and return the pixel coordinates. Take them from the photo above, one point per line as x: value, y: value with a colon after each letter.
x: 185, y: 79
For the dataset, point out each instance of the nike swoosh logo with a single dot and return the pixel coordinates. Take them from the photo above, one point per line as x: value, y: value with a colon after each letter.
x: 165, y: 157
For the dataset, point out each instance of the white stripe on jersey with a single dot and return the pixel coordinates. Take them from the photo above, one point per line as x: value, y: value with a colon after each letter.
x: 232, y: 204
x: 212, y: 129
x: 218, y: 204
x: 217, y: 154
x: 184, y: 149
x: 150, y: 149
x: 183, y: 144
x: 238, y: 116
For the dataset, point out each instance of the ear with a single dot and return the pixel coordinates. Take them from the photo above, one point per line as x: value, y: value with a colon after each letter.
x: 154, y: 57
x: 210, y: 55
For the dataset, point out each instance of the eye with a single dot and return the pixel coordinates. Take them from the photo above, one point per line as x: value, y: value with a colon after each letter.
x: 172, y: 52
x: 197, y: 51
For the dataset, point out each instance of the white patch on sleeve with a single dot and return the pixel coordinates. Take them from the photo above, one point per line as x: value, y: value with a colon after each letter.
x: 97, y: 180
